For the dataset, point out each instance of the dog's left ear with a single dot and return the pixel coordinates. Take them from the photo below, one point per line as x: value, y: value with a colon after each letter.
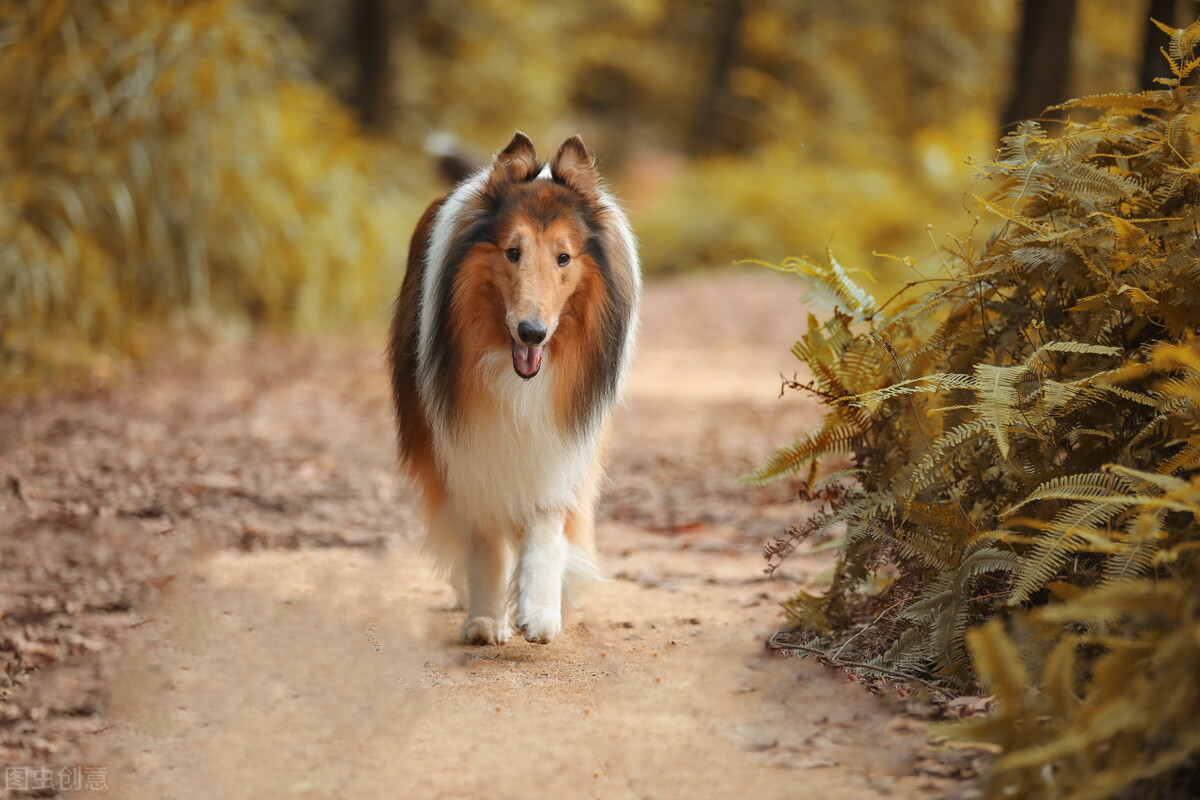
x: 575, y: 167
x: 517, y: 162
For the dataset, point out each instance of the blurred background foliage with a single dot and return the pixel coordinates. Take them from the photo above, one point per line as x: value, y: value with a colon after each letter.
x: 161, y: 159
x: 176, y: 162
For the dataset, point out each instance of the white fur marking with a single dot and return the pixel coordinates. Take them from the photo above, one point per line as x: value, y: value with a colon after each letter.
x: 544, y: 558
x: 508, y: 466
x: 445, y: 221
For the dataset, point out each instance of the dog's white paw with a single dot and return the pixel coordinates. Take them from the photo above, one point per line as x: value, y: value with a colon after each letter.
x: 485, y: 630
x: 540, y: 625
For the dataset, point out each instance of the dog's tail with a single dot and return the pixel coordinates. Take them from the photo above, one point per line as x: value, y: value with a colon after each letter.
x: 454, y: 161
x: 581, y: 570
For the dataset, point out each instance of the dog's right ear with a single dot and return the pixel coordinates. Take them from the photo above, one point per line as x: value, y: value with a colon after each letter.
x: 574, y: 166
x: 517, y: 162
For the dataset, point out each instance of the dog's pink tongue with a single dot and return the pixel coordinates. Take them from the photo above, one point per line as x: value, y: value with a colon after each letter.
x: 527, y: 360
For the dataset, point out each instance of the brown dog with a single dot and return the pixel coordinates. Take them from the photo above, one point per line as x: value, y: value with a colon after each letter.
x: 512, y: 337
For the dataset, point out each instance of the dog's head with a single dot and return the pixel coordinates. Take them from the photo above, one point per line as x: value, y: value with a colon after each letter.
x: 540, y: 247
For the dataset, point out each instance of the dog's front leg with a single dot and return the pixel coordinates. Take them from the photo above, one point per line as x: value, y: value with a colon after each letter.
x: 487, y: 578
x: 540, y: 581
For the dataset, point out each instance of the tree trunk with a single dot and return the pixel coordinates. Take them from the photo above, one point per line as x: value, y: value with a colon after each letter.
x: 1154, y: 64
x: 708, y: 126
x: 1043, y: 60
x: 371, y: 42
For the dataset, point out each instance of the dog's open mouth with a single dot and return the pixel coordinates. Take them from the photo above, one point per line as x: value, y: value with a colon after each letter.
x: 527, y: 360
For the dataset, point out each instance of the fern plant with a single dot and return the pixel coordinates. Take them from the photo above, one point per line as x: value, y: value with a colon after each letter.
x: 1025, y: 445
x: 1116, y: 663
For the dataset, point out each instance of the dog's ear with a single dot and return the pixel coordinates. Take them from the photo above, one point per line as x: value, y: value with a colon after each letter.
x: 575, y: 167
x: 517, y: 162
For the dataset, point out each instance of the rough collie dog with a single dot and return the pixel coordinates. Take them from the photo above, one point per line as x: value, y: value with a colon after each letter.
x: 512, y: 336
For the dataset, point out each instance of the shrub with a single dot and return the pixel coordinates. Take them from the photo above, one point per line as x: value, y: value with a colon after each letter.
x: 1023, y: 509
x: 160, y: 155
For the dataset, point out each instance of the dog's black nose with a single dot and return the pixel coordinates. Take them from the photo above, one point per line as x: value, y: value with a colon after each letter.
x: 532, y: 331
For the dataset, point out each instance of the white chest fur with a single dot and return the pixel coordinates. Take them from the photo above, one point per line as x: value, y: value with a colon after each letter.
x: 512, y: 462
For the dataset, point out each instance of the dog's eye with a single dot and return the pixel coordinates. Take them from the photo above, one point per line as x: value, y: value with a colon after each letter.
x: 512, y: 254
x: 563, y: 259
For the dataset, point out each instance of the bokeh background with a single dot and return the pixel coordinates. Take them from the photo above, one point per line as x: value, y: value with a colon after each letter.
x: 169, y: 165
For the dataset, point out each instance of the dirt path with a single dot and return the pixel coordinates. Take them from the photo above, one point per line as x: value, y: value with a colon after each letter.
x: 302, y: 647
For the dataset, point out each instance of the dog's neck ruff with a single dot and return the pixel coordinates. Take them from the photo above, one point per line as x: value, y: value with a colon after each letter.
x: 441, y: 237
x: 511, y: 462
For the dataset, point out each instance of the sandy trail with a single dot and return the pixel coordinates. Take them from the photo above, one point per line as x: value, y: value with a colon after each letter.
x: 334, y: 671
